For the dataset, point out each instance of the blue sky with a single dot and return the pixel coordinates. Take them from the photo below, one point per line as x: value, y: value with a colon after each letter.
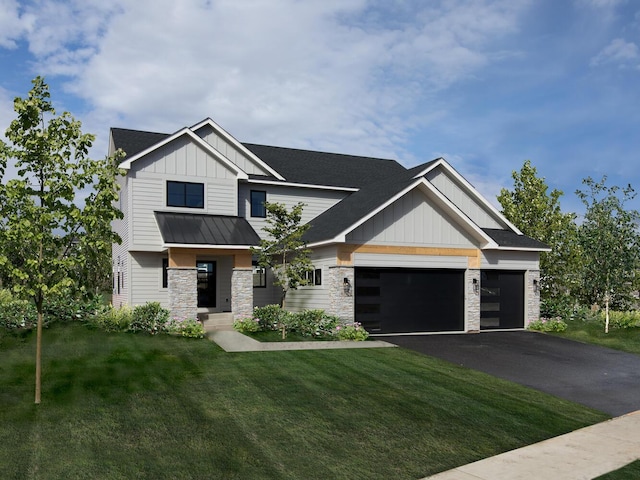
x: 485, y: 84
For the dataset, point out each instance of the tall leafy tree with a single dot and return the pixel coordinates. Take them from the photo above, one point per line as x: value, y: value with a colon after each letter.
x: 283, y: 250
x: 47, y: 230
x: 537, y: 213
x: 610, y: 244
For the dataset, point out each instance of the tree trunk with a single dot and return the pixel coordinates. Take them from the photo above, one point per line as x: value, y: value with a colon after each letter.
x: 38, y: 355
x: 606, y: 314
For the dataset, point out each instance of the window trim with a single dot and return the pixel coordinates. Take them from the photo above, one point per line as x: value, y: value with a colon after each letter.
x: 263, y: 211
x: 184, y: 203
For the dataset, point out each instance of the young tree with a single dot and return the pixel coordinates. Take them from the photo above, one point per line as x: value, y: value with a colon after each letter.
x: 609, y: 240
x: 537, y: 214
x: 283, y: 250
x: 46, y: 234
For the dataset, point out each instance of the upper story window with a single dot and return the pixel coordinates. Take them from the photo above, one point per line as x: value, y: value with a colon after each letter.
x: 185, y: 194
x: 258, y: 199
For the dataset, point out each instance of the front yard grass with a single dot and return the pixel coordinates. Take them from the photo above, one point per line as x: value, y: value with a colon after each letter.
x: 118, y: 406
x: 628, y: 472
x: 625, y: 339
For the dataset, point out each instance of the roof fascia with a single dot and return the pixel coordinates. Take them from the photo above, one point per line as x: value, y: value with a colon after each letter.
x: 473, y: 192
x: 205, y: 246
x: 436, y: 162
x: 302, y: 185
x: 520, y: 249
x: 442, y: 201
x: 229, y: 138
x: 126, y: 164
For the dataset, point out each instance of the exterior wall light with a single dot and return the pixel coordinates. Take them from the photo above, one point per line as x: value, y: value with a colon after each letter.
x: 476, y: 286
x: 346, y: 285
x: 536, y: 285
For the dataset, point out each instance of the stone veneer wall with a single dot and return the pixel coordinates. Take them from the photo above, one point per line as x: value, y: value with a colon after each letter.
x: 472, y: 301
x: 182, y: 284
x: 532, y: 296
x: 242, y: 292
x: 341, y: 303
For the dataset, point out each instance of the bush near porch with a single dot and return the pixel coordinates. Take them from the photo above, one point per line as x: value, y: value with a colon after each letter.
x: 309, y: 323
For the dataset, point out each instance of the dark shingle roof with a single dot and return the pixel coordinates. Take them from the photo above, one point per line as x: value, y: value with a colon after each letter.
x: 320, y: 168
x: 344, y: 214
x: 135, y: 141
x: 507, y: 238
x: 199, y: 229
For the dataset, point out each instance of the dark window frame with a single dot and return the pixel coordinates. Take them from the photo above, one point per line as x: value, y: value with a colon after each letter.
x: 185, y: 199
x: 165, y: 274
x: 258, y: 211
x: 263, y: 275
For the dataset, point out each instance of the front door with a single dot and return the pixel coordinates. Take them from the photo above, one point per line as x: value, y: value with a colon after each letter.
x: 206, y: 284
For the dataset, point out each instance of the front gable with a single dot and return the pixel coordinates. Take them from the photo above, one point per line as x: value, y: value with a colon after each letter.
x: 465, y: 197
x: 228, y: 146
x: 413, y: 220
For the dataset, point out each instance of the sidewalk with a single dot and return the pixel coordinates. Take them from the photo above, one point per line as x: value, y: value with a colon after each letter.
x: 232, y: 341
x: 581, y: 455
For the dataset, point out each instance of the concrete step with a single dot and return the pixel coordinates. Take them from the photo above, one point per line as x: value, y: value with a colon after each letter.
x: 216, y: 321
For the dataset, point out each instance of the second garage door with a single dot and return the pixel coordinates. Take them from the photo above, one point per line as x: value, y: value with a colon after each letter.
x: 403, y: 300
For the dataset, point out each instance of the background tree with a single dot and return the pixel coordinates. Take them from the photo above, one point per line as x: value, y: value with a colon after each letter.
x: 283, y: 250
x: 46, y: 235
x: 536, y: 212
x: 609, y: 241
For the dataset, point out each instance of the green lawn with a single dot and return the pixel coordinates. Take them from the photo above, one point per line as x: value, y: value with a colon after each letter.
x: 627, y: 340
x: 629, y: 472
x: 121, y: 406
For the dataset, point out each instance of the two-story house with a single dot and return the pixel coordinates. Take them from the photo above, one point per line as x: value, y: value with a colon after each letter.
x: 399, y: 250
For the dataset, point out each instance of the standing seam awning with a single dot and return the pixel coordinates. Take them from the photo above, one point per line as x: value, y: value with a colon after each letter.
x: 200, y: 229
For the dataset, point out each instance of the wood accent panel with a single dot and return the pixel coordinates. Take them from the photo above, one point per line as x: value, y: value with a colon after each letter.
x: 186, y: 257
x: 345, y: 252
x: 242, y: 260
x: 179, y: 257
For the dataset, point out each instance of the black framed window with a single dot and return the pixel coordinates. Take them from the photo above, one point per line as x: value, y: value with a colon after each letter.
x: 317, y: 277
x: 258, y: 199
x: 259, y: 276
x: 185, y: 194
x: 165, y: 275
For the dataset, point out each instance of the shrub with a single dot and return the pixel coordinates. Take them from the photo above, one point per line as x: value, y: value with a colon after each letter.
x: 150, y: 318
x: 548, y: 325
x: 351, y: 331
x: 68, y: 307
x: 112, y: 319
x: 270, y: 317
x: 188, y: 327
x: 16, y: 313
x: 247, y: 325
x: 314, y: 323
x: 621, y: 320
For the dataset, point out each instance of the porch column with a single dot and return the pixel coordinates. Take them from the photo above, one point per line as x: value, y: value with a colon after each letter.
x: 182, y: 284
x: 532, y: 296
x: 341, y: 292
x: 472, y: 300
x: 242, y: 286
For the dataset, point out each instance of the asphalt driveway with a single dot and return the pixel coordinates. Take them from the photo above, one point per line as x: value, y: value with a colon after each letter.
x: 601, y: 378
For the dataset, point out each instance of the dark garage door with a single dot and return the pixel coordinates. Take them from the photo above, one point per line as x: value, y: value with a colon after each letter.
x: 401, y: 300
x: 502, y: 299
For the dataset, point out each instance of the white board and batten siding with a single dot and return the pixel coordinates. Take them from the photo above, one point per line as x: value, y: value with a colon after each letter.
x: 506, y: 260
x: 181, y: 161
x: 409, y: 261
x: 412, y: 221
x: 146, y: 274
x: 471, y: 207
x: 209, y: 135
x: 314, y: 297
x: 316, y: 201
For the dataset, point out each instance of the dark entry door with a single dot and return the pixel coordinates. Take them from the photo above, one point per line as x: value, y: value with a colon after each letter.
x: 401, y: 300
x: 501, y: 300
x: 206, y: 284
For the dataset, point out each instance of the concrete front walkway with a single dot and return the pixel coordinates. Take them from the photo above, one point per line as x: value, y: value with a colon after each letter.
x: 232, y: 341
x: 581, y: 455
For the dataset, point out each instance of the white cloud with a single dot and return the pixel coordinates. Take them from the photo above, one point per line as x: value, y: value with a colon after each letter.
x: 338, y: 75
x: 13, y: 23
x: 618, y: 52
